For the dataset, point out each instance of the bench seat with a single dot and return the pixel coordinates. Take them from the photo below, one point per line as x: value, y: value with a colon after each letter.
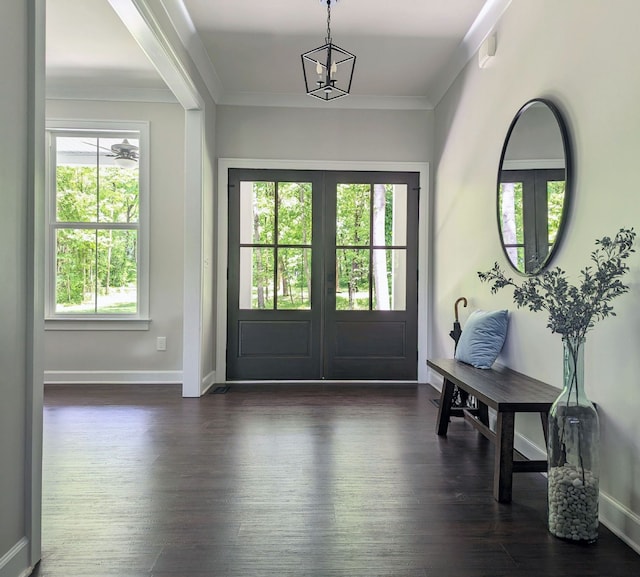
x: 507, y: 392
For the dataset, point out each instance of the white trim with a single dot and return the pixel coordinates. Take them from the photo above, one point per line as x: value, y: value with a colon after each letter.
x: 113, y: 377
x: 62, y: 324
x: 142, y: 227
x: 14, y: 561
x: 435, y: 379
x: 208, y: 381
x: 425, y: 215
x: 336, y: 165
x: 533, y: 164
x: 620, y: 520
x: 528, y: 448
x: 138, y: 17
x: 222, y: 259
x: 67, y: 91
x: 99, y: 124
x: 193, y: 251
x: 424, y: 241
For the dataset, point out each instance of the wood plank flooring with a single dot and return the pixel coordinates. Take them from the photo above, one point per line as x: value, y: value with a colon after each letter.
x: 288, y: 480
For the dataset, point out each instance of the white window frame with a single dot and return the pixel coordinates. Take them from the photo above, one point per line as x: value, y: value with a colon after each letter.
x: 140, y: 320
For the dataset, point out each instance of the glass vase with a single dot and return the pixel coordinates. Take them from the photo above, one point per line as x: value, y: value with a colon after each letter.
x: 573, y: 454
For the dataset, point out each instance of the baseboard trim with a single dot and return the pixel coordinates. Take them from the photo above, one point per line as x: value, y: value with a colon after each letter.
x: 112, y: 377
x: 15, y: 562
x: 208, y: 382
x: 620, y: 520
x: 528, y: 448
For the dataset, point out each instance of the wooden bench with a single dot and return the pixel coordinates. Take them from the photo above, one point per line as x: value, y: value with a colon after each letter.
x: 507, y: 392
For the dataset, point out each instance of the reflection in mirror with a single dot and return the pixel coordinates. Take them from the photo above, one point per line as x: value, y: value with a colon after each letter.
x: 533, y: 186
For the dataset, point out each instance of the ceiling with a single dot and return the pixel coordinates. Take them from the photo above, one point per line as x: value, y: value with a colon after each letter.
x: 408, y: 51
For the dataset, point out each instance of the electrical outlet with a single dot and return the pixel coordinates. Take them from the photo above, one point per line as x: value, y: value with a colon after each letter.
x: 161, y: 343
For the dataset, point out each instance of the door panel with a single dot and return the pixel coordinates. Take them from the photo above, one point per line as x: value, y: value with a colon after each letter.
x: 322, y: 275
x: 385, y: 339
x: 274, y: 275
x: 371, y: 242
x: 275, y: 338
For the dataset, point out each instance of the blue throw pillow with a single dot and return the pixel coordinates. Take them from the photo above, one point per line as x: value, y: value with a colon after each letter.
x: 482, y: 338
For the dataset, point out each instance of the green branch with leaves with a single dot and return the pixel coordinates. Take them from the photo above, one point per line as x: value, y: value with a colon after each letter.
x: 574, y: 309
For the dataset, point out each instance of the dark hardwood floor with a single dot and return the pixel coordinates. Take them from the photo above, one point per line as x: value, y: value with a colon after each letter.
x: 288, y: 480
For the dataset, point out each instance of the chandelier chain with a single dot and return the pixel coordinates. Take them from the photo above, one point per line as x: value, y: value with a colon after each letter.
x: 328, y: 38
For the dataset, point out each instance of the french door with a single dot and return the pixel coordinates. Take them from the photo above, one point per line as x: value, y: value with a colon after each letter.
x: 322, y: 278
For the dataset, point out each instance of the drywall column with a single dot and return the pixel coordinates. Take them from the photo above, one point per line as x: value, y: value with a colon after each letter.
x: 21, y: 118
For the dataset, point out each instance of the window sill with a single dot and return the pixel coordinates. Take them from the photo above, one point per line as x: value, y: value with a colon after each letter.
x: 97, y: 324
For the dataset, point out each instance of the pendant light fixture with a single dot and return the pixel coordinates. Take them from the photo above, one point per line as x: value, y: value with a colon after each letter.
x: 328, y: 70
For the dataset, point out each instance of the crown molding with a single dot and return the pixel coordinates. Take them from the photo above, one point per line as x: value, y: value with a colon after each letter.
x: 481, y: 28
x: 352, y: 101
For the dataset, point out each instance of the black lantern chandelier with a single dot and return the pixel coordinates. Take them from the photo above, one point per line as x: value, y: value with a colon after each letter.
x: 328, y: 70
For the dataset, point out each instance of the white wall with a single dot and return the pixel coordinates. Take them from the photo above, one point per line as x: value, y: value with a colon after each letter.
x: 93, y: 356
x: 580, y: 55
x: 21, y: 408
x: 13, y: 231
x: 324, y: 134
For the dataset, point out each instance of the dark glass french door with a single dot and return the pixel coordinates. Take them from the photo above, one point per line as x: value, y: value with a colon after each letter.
x: 322, y: 275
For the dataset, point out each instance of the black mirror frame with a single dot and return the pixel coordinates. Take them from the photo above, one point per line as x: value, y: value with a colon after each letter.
x: 568, y: 159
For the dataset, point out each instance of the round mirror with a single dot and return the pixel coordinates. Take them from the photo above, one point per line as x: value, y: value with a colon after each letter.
x: 534, y: 181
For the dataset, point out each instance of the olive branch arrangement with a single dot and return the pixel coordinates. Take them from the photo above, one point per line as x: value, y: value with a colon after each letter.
x: 574, y: 310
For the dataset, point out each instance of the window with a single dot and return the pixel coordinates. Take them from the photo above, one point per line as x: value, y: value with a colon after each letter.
x: 97, y: 255
x: 371, y: 246
x: 275, y: 245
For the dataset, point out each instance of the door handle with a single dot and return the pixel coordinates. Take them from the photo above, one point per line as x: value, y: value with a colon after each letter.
x: 331, y: 283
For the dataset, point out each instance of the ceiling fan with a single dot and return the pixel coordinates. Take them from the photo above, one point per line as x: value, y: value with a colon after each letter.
x: 124, y: 153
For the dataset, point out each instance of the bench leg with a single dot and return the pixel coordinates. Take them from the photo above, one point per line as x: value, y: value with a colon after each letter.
x: 483, y: 413
x: 444, y: 410
x: 544, y: 417
x: 503, y: 467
